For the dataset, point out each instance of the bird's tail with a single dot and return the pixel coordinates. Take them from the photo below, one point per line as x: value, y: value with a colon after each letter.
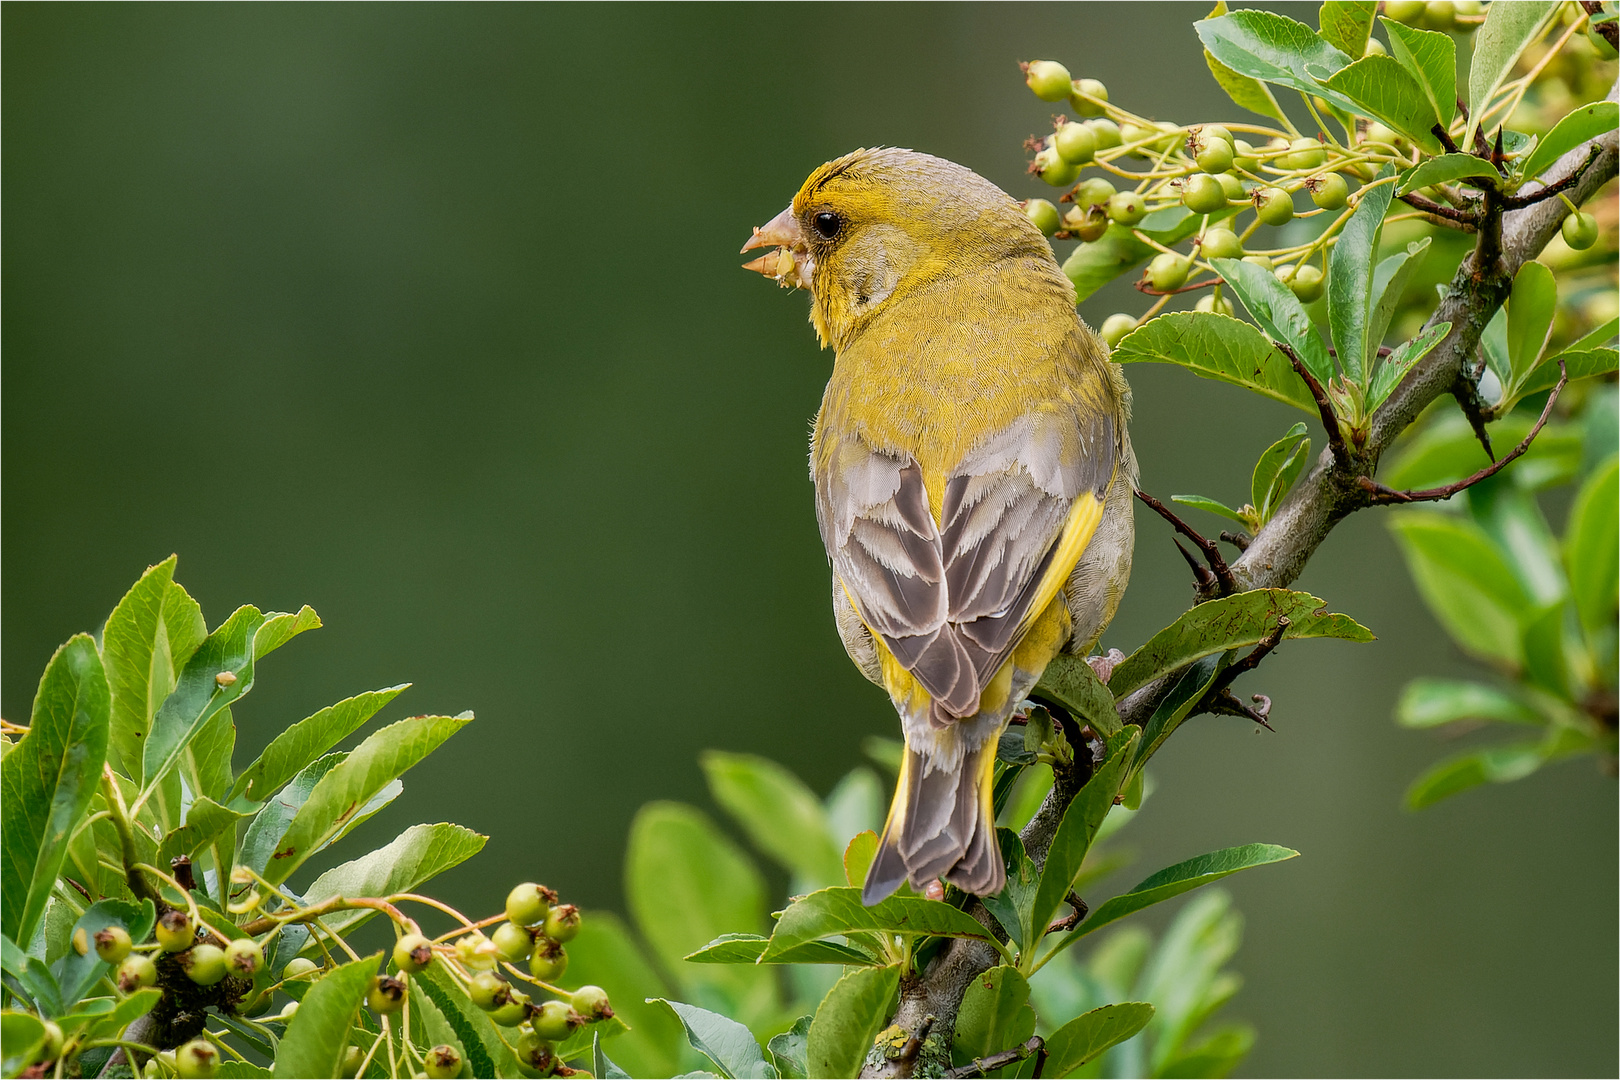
x: 941, y: 825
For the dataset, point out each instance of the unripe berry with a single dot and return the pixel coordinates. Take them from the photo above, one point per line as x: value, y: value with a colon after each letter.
x: 1219, y: 305
x: 1219, y: 243
x: 1092, y: 88
x: 513, y: 942
x: 174, y: 931
x: 413, y: 952
x: 113, y: 944
x: 1048, y: 80
x: 1087, y: 224
x: 488, y: 991
x: 535, y: 1052
x: 1127, y: 207
x: 244, y: 957
x: 1202, y: 193
x: 1330, y: 192
x: 1262, y: 261
x: 204, y: 964
x: 1378, y: 133
x: 1304, y: 154
x: 1105, y: 131
x: 1168, y: 271
x: 1232, y: 186
x: 1092, y: 191
x: 1044, y: 216
x: 528, y: 903
x: 1138, y: 133
x: 442, y: 1062
x: 1305, y: 281
x: 353, y: 1058
x: 548, y: 961
x: 1404, y: 11
x: 196, y: 1059
x: 475, y: 952
x: 52, y: 1047
x: 554, y: 1021
x: 562, y: 923
x: 513, y: 1012
x: 288, y: 1011
x: 1211, y: 132
x: 299, y: 967
x: 1054, y: 170
x: 591, y: 1002
x: 1439, y: 15
x: 1115, y: 327
x: 386, y: 995
x: 1375, y: 48
x: 1215, y: 156
x: 1243, y: 156
x: 159, y: 1065
x: 1075, y: 143
x: 1580, y: 230
x: 1468, y: 8
x: 1273, y: 206
x: 136, y: 972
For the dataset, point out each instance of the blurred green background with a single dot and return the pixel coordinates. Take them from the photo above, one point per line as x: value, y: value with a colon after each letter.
x: 430, y: 317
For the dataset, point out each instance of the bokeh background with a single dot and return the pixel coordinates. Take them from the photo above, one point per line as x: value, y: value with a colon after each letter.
x: 430, y: 317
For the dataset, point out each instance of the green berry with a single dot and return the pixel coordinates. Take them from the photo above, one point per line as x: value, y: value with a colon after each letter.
x: 244, y: 957
x: 513, y: 1013
x: 1304, y: 154
x: 135, y: 972
x: 1262, y: 261
x: 1304, y: 281
x: 113, y: 944
x: 1105, y: 131
x: 1404, y: 11
x: 1232, y: 186
x: 1378, y: 133
x: 1093, y: 191
x: 1243, y: 156
x: 1330, y: 192
x: 548, y: 961
x: 488, y: 991
x: 204, y: 964
x: 353, y: 1058
x: 1044, y: 216
x: 562, y: 923
x: 554, y: 1021
x: 1091, y: 88
x: 174, y: 931
x: 1202, y: 193
x: 1075, y: 143
x: 1168, y: 271
x: 1115, y: 327
x: 1219, y: 243
x: 1053, y: 169
x: 475, y: 952
x: 1210, y: 132
x: 288, y: 1011
x: 1375, y: 48
x: 1048, y: 80
x: 1273, y: 206
x: 1580, y: 230
x: 52, y: 1047
x: 528, y: 903
x: 1087, y: 224
x: 386, y: 995
x: 1468, y: 8
x: 442, y: 1062
x: 1219, y: 305
x: 591, y: 1002
x: 513, y: 942
x: 1127, y: 207
x: 413, y: 952
x: 1138, y: 133
x: 298, y: 967
x: 536, y: 1053
x: 1439, y: 15
x: 196, y: 1059
x: 1215, y: 156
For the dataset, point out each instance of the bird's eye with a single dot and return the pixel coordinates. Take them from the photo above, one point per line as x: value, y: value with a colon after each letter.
x: 827, y: 224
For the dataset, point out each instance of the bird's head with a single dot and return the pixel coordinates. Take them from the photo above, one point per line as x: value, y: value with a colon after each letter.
x: 875, y: 226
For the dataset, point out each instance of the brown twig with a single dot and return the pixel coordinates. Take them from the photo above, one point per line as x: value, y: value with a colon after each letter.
x: 1444, y: 136
x: 1239, y: 540
x: 1072, y: 919
x: 1464, y: 219
x: 914, y: 1045
x: 1142, y: 286
x: 982, y: 1066
x: 1515, y: 202
x: 1378, y: 494
x: 1226, y: 703
x: 1324, y: 407
x: 1212, y: 554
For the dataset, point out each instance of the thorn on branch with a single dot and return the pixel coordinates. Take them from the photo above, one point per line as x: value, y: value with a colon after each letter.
x: 1218, y: 570
x: 1517, y: 202
x: 1444, y: 136
x: 1072, y: 919
x: 986, y: 1065
x: 914, y: 1045
x: 1330, y: 419
x: 1472, y: 404
x: 181, y: 866
x: 1379, y: 495
x: 1467, y: 220
x: 1204, y: 578
x: 1219, y: 699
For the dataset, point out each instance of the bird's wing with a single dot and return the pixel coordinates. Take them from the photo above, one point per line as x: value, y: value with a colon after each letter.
x: 951, y: 600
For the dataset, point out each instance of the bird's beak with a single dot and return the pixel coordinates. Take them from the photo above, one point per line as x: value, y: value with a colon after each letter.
x: 791, y: 265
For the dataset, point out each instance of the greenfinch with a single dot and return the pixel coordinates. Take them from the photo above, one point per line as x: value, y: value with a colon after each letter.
x: 972, y: 474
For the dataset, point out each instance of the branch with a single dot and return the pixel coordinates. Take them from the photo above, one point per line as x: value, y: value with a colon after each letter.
x: 1518, y: 202
x: 1218, y: 569
x: 985, y: 1065
x: 1141, y: 285
x: 1463, y: 219
x: 1324, y: 407
x: 1219, y: 699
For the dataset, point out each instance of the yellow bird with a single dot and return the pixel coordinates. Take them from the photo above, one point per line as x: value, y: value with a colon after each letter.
x: 972, y: 472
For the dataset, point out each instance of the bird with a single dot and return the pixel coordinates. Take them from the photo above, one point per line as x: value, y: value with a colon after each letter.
x: 972, y: 469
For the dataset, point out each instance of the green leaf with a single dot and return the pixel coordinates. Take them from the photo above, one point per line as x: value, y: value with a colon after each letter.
x: 269, y: 825
x: 1013, y: 905
x: 342, y: 794
x: 1529, y: 317
x: 230, y: 1069
x: 1443, y: 170
x: 1081, y: 820
x: 1389, y: 287
x: 198, y: 695
x: 1350, y: 283
x: 848, y: 1020
x: 994, y: 1015
x: 281, y: 627
x: 1345, y: 24
x: 1585, y: 364
x: 1201, y: 502
x: 1380, y: 87
x: 1072, y: 683
x: 725, y: 1042
x: 22, y: 1035
x: 1581, y: 124
x: 1279, y: 466
x: 128, y: 1010
x: 415, y: 856
x: 1278, y: 311
x: 206, y: 821
x: 1393, y: 368
x: 791, y: 1050
x: 486, y: 1051
x: 1428, y: 703
x: 1465, y: 580
x: 858, y: 856
x: 838, y: 910
x: 1247, y: 93
x: 148, y: 638
x: 1508, y: 29
x: 1229, y: 623
x: 303, y: 742
x: 1182, y: 877
x: 1274, y: 49
x: 429, y: 1025
x: 1087, y: 1036
x: 1431, y: 59
x: 47, y: 780
x: 76, y: 974
x: 319, y: 1032
x: 779, y: 813
x: 747, y: 949
x: 1446, y: 450
x: 1591, y: 538
x: 1492, y: 764
x: 1185, y: 694
x: 1218, y: 347
x: 605, y: 954
x: 601, y: 1065
x: 1542, y: 641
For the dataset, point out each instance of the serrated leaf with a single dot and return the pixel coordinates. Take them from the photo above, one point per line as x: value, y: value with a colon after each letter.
x: 1081, y: 819
x: 848, y: 1020
x: 1430, y: 58
x: 839, y: 910
x: 1507, y: 30
x: 1389, y: 282
x: 1583, y: 364
x: 147, y: 640
x: 1203, y: 502
x: 791, y: 1050
x: 1093, y: 265
x: 601, y: 1064
x: 1218, y: 347
x: 728, y: 1044
x: 1087, y: 1036
x: 1465, y: 581
x: 1350, y: 282
x: 858, y: 856
x: 994, y: 1015
x: 1274, y: 49
x: 1380, y: 87
x: 48, y: 779
x: 1444, y: 170
x: 281, y: 627
x: 1229, y: 623
x: 1428, y: 703
x: 1072, y: 683
x: 1590, y: 540
x: 1180, y: 878
x: 319, y: 1032
x: 748, y: 948
x: 1578, y: 126
x: 486, y: 1051
x: 1013, y: 905
x: 303, y: 742
x: 265, y: 831
x: 1279, y: 466
x: 1393, y: 368
x: 777, y: 811
x: 1246, y: 93
x: 1279, y: 313
x: 206, y: 821
x: 414, y: 857
x: 605, y: 954
x: 1345, y: 24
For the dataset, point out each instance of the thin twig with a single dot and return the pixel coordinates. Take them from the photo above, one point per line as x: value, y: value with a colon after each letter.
x: 1466, y: 219
x: 1212, y: 554
x: 1239, y: 540
x: 1226, y: 703
x: 982, y: 1066
x: 1330, y: 419
x: 914, y: 1045
x: 1072, y: 919
x: 1200, y: 574
x: 1141, y: 285
x: 1262, y: 649
x: 1378, y: 494
x: 1444, y: 136
x: 1515, y: 202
